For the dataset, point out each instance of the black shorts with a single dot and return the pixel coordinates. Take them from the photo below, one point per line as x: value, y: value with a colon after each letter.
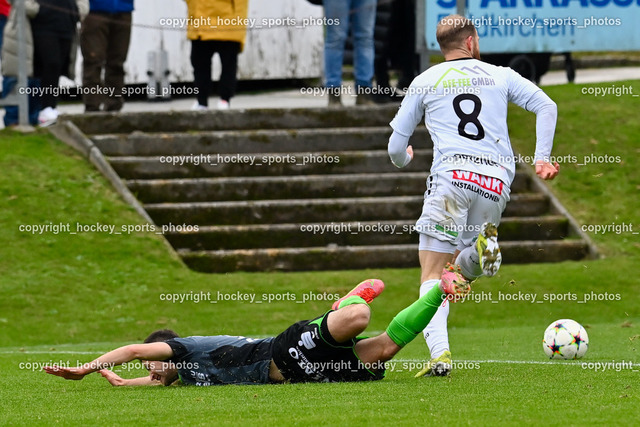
x: 306, y: 352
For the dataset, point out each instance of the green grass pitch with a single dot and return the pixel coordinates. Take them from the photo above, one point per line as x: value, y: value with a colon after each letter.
x: 67, y: 298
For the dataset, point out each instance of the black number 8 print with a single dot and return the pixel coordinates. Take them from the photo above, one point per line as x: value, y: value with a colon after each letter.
x: 466, y: 118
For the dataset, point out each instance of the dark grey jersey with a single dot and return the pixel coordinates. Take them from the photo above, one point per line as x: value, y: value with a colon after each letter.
x: 222, y: 359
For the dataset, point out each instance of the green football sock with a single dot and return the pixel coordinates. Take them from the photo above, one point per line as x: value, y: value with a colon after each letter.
x: 412, y: 320
x: 353, y: 299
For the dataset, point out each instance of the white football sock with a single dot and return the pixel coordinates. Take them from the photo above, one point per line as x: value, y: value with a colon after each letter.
x: 436, y: 333
x: 469, y: 262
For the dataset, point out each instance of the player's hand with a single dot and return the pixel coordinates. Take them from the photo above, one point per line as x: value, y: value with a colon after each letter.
x: 113, y: 378
x: 410, y: 151
x: 66, y: 373
x: 546, y: 170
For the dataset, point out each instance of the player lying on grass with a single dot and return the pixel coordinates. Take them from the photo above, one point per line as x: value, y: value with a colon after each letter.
x: 464, y: 104
x: 325, y: 349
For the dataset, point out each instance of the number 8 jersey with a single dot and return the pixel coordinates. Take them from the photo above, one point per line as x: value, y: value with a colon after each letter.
x: 464, y: 103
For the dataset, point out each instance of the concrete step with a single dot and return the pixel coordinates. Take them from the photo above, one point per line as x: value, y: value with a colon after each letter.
x: 365, y: 233
x: 304, y: 163
x: 234, y: 143
x: 272, y: 118
x: 358, y: 257
x: 269, y: 164
x: 251, y: 180
x: 282, y: 187
x: 317, y: 210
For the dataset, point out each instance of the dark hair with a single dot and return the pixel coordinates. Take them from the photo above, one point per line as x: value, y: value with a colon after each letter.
x: 452, y: 30
x: 161, y: 335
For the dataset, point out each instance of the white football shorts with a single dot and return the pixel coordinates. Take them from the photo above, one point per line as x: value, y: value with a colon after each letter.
x: 456, y: 204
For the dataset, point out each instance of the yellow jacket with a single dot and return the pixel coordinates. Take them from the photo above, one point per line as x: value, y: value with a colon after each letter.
x: 217, y: 20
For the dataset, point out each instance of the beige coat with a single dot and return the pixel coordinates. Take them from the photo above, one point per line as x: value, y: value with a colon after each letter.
x: 10, y: 43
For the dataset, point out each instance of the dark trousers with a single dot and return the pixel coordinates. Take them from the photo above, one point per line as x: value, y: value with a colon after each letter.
x: 396, y: 46
x: 104, y: 41
x: 3, y: 22
x: 201, y: 54
x: 50, y: 61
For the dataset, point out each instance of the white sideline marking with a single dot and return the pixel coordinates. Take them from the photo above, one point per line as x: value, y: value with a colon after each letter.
x: 514, y: 362
x: 507, y: 362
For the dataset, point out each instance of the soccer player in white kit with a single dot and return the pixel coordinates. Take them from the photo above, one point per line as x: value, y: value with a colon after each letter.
x: 464, y: 103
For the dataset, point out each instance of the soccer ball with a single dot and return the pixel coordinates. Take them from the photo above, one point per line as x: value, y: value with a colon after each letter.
x: 565, y: 339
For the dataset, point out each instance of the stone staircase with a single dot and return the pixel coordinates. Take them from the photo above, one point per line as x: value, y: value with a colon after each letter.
x: 307, y: 189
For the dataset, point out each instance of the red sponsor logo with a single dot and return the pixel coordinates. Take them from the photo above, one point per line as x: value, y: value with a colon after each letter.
x: 489, y: 183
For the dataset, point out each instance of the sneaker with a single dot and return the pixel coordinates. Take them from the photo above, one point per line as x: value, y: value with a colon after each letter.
x: 438, y: 367
x: 199, y: 107
x: 223, y: 105
x: 488, y: 249
x: 453, y: 283
x: 368, y: 290
x: 47, y: 116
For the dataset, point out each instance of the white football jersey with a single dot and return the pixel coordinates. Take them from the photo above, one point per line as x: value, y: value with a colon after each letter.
x: 464, y: 103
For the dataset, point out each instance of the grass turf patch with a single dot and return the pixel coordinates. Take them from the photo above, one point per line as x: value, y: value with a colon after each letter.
x: 68, y: 297
x: 596, y: 144
x: 481, y: 390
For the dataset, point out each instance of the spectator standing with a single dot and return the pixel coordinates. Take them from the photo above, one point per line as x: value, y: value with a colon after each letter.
x: 225, y: 35
x: 104, y: 41
x: 10, y: 63
x: 54, y: 29
x: 360, y: 16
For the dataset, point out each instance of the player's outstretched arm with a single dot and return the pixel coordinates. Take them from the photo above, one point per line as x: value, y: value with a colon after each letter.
x: 530, y: 97
x: 151, y: 351
x: 116, y: 381
x: 546, y: 117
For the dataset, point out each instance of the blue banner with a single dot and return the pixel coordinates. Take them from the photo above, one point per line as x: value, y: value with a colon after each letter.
x: 545, y: 25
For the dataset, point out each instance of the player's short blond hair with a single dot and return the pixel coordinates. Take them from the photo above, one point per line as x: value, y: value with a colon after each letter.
x: 453, y: 30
